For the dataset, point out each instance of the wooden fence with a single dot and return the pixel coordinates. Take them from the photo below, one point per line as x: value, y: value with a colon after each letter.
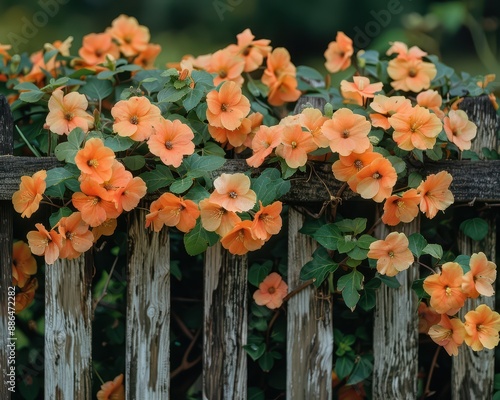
x: 68, y: 297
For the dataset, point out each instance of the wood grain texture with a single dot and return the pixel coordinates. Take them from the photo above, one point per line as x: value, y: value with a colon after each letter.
x: 68, y: 329
x: 225, y: 325
x: 147, y: 368
x: 6, y: 229
x: 395, y: 331
x: 309, y: 325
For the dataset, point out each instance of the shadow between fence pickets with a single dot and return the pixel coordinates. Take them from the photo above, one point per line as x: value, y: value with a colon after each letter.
x: 68, y: 358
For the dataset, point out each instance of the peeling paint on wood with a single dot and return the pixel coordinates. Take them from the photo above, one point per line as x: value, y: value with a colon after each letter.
x: 147, y: 366
x: 225, y: 325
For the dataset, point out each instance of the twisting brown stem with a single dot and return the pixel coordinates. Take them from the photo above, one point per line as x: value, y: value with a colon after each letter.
x: 431, y: 371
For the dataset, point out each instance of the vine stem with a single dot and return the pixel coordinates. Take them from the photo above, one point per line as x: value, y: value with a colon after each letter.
x: 104, y: 290
x: 431, y: 371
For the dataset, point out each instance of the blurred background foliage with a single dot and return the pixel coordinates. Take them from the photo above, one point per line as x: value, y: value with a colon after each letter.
x: 464, y: 33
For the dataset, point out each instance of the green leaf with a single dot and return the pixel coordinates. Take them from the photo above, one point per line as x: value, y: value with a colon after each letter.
x: 170, y: 94
x: 197, y: 165
x: 418, y: 287
x: 367, y: 299
x: 192, y: 99
x: 355, y: 226
x: 32, y: 96
x: 475, y: 228
x: 496, y: 382
x: 255, y: 393
x: 464, y: 261
x: 358, y: 253
x: 181, y: 185
x: 97, y: 89
x: 435, y: 153
x: 435, y: 250
x: 266, y: 362
x: 58, y: 175
x: 398, y: 164
x: 269, y: 186
x: 414, y: 179
x: 390, y: 281
x: 212, y: 149
x: 312, y: 225
x: 417, y: 244
x: 319, y: 267
x: 344, y: 366
x: 197, y: 193
x: 328, y: 236
x: 286, y: 171
x: 197, y: 240
x: 362, y: 370
x: 364, y: 241
x: 134, y: 163
x: 118, y: 143
x: 158, y: 178
x: 66, y: 151
x: 254, y: 350
x: 62, y: 212
x: 258, y: 272
x: 346, y: 244
x: 350, y: 285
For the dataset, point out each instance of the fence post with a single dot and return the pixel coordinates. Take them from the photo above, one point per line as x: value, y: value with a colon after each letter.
x: 225, y: 325
x: 395, y: 331
x: 68, y: 329
x: 6, y: 232
x: 473, y: 372
x: 148, y: 312
x: 309, y: 325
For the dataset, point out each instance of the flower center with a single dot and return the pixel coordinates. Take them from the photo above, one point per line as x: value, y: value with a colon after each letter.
x: 391, y: 254
x: 246, y: 52
x: 222, y: 74
x: 233, y: 194
x: 271, y: 290
x: 345, y: 134
x: 93, y: 163
x: 127, y: 39
x: 169, y: 145
x: 134, y: 120
x: 224, y: 107
x: 293, y: 144
x: 448, y: 291
x: 400, y: 204
x: 376, y: 175
x: 358, y: 164
x: 68, y: 116
x: 412, y: 72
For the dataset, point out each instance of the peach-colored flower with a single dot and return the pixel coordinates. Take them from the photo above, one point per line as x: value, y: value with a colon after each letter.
x: 26, y: 296
x: 427, y: 317
x: 27, y: 199
x: 295, y: 145
x: 235, y: 137
x: 401, y: 208
x: 417, y: 128
x: 392, y: 254
x: 239, y: 240
x: 347, y: 167
x: 386, y: 107
x: 131, y: 37
x: 171, y: 141
x: 411, y: 75
x: 146, y: 58
x: 40, y: 68
x: 67, y: 112
x: 449, y: 333
x: 227, y: 66
x: 347, y: 132
x: 338, y: 54
x: 95, y: 160
x: 358, y: 91
x: 227, y: 107
x: 459, y: 129
x: 171, y: 210
x: 215, y: 218
x: 120, y: 177
x: 23, y: 263
x: 480, y: 278
x: 445, y: 289
x: 128, y: 197
x: 283, y: 90
x: 376, y: 180
x: 136, y: 118
x: 45, y: 243
x: 232, y: 191
x: 432, y: 100
x: 77, y: 238
x: 107, y: 228
x: 272, y: 290
x: 482, y: 326
x: 112, y: 390
x: 267, y: 221
x: 435, y: 194
x: 252, y: 51
x: 402, y: 51
x: 96, y: 47
x: 313, y: 119
x: 266, y: 139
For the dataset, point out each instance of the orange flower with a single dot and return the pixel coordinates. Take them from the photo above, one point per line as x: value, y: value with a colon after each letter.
x: 417, y: 128
x: 44, y: 243
x: 272, y: 291
x: 435, y: 194
x: 95, y: 160
x: 77, y: 238
x: 227, y: 107
x: 26, y: 296
x: 480, y: 278
x: 401, y: 208
x: 482, y: 326
x: 252, y: 51
x: 295, y: 145
x: 107, y: 228
x: 171, y: 141
x: 217, y: 218
x: 313, y: 119
x: 427, y: 317
x: 23, y: 264
x: 449, y: 333
x: 112, y: 390
x: 459, y: 129
x: 338, y: 54
x: 128, y: 197
x: 67, y: 112
x: 358, y: 91
x: 392, y: 254
x: 235, y: 137
x: 227, y: 66
x: 136, y: 118
x: 4, y: 48
x: 239, y: 240
x: 232, y: 191
x: 267, y: 221
x: 387, y: 107
x: 146, y: 58
x: 402, y: 51
x: 266, y: 139
x: 96, y: 47
x: 411, y: 75
x: 376, y: 180
x: 431, y: 100
x: 27, y: 199
x: 283, y: 90
x: 347, y: 167
x: 131, y: 37
x: 445, y: 289
x: 347, y: 132
x: 171, y: 210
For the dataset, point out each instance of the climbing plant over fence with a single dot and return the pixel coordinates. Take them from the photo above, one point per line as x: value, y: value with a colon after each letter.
x: 207, y: 148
